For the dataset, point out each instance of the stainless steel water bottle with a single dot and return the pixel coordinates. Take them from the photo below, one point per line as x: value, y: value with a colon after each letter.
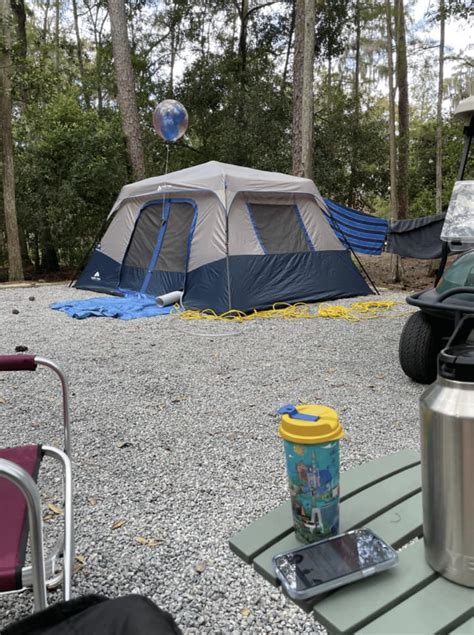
x: 447, y: 459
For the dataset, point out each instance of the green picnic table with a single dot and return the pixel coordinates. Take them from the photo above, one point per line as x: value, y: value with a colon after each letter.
x: 385, y: 495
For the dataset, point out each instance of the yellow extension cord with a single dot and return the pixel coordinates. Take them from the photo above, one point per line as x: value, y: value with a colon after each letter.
x: 355, y: 312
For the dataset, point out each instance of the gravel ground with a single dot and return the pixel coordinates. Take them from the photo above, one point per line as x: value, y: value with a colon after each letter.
x: 174, y: 431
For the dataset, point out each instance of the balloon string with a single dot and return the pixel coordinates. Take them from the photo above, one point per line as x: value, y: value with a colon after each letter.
x: 167, y: 157
x: 166, y: 172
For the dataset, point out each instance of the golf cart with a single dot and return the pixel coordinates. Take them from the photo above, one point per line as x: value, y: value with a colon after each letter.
x: 428, y: 330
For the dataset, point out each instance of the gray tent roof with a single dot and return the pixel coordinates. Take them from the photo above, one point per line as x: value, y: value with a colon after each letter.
x: 222, y: 179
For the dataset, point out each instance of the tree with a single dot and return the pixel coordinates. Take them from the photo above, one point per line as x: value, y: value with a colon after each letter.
x: 458, y: 8
x: 126, y: 87
x: 303, y: 91
x: 395, y: 261
x: 15, y: 267
x: 80, y: 57
x: 403, y: 109
x: 234, y: 78
x: 356, y: 114
x: 70, y: 164
x: 439, y: 114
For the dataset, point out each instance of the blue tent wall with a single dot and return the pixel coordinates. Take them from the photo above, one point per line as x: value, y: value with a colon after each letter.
x: 100, y: 274
x: 257, y: 282
x: 260, y: 281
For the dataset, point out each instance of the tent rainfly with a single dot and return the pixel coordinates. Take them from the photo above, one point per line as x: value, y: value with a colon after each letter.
x: 230, y: 237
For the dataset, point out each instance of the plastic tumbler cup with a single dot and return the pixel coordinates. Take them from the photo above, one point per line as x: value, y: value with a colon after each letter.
x: 311, y: 435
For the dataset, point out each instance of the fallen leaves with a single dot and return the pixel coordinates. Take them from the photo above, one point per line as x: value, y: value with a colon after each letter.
x: 92, y: 501
x: 79, y: 562
x: 148, y: 542
x: 201, y: 567
x: 55, y: 509
x: 245, y: 612
x: 119, y: 523
x: 141, y: 540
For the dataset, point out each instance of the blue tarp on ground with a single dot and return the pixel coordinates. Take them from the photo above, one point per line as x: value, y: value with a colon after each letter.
x: 363, y: 233
x: 130, y: 307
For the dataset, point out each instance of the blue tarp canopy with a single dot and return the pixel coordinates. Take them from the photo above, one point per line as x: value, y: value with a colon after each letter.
x: 362, y: 232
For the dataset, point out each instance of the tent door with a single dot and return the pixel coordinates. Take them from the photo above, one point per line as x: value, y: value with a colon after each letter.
x: 159, y: 247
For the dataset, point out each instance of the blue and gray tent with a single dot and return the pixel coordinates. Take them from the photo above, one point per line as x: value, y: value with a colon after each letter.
x: 230, y: 237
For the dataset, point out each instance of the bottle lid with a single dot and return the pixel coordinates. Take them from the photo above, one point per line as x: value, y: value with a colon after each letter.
x: 309, y: 424
x: 457, y: 363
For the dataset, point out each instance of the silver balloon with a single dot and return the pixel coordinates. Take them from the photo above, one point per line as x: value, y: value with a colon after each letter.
x: 170, y: 120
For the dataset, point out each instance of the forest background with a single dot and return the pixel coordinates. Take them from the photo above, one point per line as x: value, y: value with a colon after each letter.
x: 231, y: 63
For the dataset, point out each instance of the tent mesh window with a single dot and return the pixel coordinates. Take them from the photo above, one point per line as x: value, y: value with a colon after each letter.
x: 145, y: 234
x: 279, y: 228
x: 174, y: 249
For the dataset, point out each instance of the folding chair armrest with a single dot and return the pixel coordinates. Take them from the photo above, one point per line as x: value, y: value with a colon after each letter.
x: 23, y: 481
x: 54, y: 367
x: 17, y: 362
x: 30, y: 362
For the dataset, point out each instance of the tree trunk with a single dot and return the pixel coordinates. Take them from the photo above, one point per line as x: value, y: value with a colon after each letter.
x: 98, y: 69
x: 172, y: 60
x: 395, y: 259
x: 49, y: 256
x: 80, y: 59
x: 244, y: 11
x: 329, y: 74
x: 18, y: 8
x: 15, y: 267
x: 356, y: 111
x: 20, y: 52
x: 439, y: 114
x: 303, y: 95
x: 288, y: 49
x: 403, y: 112
x: 44, y: 32
x: 56, y: 35
x: 125, y: 87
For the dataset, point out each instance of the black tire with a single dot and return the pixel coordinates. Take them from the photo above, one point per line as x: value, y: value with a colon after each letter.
x: 420, y: 342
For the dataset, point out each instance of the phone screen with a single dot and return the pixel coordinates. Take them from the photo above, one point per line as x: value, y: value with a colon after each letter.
x: 331, y: 559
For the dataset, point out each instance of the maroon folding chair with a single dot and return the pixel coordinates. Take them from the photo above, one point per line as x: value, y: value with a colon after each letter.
x: 21, y: 506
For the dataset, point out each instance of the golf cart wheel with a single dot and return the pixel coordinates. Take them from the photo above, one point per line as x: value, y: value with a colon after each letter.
x: 420, y: 343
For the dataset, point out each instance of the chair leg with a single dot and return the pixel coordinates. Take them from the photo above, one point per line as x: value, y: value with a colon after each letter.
x: 23, y: 481
x: 68, y: 545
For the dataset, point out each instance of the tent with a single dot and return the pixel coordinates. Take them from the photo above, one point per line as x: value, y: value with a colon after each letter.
x: 231, y: 237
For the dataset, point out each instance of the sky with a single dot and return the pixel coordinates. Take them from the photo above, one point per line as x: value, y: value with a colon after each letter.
x: 459, y: 34
x: 459, y: 40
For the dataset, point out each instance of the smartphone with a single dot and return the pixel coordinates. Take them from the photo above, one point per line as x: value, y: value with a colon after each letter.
x: 325, y: 565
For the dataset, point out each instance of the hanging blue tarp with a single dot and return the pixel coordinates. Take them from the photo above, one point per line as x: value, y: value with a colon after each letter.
x: 362, y: 232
